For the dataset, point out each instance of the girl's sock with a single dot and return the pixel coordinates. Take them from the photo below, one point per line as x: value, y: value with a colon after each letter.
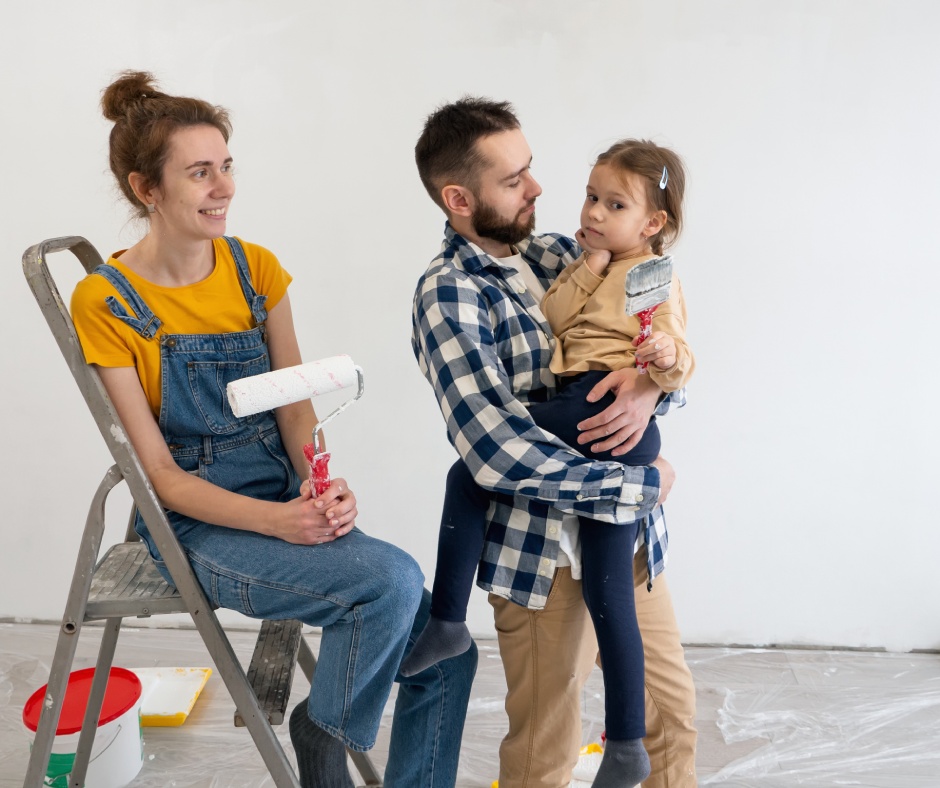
x: 439, y: 640
x: 624, y: 765
x: 321, y: 758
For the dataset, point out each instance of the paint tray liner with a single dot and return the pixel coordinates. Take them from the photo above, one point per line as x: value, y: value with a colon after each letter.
x: 169, y: 694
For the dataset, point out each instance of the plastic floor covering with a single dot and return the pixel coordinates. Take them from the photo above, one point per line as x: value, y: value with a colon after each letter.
x: 766, y: 718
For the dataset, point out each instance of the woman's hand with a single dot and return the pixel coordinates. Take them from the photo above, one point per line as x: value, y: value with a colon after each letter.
x: 338, y: 504
x: 309, y: 520
x: 660, y: 349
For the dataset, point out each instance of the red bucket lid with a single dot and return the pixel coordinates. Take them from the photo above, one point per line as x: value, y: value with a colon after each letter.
x: 122, y: 692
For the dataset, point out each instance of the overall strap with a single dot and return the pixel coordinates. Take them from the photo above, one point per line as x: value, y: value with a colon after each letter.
x: 255, y: 302
x: 146, y: 323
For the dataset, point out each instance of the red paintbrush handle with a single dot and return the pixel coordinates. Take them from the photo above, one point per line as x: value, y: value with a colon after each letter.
x: 319, y: 468
x: 646, y: 328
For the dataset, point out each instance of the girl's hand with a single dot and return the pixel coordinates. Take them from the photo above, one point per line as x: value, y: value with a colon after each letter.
x: 660, y: 349
x: 307, y: 520
x: 597, y: 260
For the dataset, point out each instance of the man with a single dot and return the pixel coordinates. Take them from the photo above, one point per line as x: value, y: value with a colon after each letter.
x: 483, y: 344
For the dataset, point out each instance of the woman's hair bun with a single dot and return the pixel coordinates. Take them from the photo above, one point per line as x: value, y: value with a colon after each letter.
x: 145, y: 121
x: 128, y: 89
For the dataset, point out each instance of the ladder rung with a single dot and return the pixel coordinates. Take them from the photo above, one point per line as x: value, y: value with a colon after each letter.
x: 271, y: 671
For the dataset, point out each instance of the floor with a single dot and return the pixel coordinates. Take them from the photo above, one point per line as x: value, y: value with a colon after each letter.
x: 767, y: 718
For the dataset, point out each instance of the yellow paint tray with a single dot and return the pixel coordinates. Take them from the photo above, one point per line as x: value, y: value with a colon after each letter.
x: 168, y: 694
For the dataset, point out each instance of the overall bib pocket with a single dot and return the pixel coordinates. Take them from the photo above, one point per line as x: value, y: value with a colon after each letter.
x: 207, y: 381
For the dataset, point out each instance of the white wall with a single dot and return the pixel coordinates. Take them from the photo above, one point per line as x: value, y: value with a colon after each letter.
x: 807, y: 454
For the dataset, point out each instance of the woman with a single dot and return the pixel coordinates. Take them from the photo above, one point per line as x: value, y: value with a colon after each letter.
x: 168, y: 323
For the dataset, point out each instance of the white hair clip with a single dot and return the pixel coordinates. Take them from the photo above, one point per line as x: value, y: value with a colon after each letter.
x: 665, y: 179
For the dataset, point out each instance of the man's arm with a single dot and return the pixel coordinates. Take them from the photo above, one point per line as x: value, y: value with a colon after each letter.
x: 491, y: 429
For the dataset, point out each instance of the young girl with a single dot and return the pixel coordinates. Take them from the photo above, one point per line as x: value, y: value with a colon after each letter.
x: 632, y: 212
x: 169, y: 322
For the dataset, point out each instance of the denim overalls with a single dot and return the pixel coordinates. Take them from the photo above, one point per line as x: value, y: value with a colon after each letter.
x: 204, y: 436
x: 365, y: 593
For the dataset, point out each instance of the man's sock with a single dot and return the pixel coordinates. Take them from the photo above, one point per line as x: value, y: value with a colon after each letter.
x: 439, y: 640
x: 624, y: 765
x: 321, y: 758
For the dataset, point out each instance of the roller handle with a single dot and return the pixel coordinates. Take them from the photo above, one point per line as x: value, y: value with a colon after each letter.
x: 319, y: 469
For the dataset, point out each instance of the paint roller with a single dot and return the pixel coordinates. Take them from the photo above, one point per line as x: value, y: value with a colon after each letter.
x: 270, y: 390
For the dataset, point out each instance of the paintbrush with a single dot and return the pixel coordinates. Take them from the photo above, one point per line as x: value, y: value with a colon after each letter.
x: 647, y: 287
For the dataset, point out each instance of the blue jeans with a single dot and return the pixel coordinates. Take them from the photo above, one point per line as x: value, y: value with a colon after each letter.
x: 370, y: 617
x: 430, y: 711
x: 367, y: 596
x: 363, y: 592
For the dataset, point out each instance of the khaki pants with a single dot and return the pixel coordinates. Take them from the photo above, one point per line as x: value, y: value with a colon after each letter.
x: 547, y: 656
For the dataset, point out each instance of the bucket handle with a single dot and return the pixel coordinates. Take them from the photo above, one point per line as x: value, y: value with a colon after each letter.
x: 105, y: 748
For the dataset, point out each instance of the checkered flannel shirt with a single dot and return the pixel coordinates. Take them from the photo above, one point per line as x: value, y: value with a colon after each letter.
x: 484, y: 345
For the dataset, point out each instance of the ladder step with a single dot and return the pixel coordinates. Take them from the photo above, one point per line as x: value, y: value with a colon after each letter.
x: 126, y: 583
x: 271, y: 671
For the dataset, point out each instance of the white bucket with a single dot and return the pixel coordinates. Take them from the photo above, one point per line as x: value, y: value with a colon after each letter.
x: 117, y: 752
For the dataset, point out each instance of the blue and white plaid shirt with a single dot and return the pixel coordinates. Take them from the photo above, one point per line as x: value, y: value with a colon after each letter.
x: 484, y: 345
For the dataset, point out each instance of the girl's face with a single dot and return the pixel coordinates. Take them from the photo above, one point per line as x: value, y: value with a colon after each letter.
x: 616, y: 215
x: 192, y: 201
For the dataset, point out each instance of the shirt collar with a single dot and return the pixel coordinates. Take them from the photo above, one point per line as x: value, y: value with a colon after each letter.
x: 472, y: 257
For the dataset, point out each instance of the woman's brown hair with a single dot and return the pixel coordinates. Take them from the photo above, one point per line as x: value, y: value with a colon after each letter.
x: 144, y: 121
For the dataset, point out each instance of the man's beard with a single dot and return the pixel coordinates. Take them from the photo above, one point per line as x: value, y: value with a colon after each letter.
x: 487, y: 223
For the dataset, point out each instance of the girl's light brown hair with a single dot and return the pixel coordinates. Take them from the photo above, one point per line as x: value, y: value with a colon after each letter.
x: 144, y: 121
x: 647, y: 159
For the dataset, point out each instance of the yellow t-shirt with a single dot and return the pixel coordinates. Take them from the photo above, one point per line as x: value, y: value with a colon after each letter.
x: 216, y: 305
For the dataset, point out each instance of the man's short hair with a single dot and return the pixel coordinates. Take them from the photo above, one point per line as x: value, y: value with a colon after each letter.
x: 446, y: 151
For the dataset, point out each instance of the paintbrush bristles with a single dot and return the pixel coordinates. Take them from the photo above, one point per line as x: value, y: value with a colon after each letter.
x: 648, y: 284
x: 649, y: 275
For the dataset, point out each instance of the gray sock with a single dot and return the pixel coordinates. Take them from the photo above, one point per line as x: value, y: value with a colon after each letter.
x: 321, y: 758
x: 624, y: 765
x: 439, y: 640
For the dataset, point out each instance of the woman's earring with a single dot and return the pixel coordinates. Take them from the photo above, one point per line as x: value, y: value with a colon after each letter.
x: 151, y: 207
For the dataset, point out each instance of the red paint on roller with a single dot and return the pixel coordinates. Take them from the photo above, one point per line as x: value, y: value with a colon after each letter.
x: 319, y: 468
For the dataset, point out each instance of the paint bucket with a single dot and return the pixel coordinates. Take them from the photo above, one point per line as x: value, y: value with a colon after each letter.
x: 117, y: 752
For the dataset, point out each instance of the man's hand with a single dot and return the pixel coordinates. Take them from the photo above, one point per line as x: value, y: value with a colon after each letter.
x: 619, y: 427
x: 667, y: 477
